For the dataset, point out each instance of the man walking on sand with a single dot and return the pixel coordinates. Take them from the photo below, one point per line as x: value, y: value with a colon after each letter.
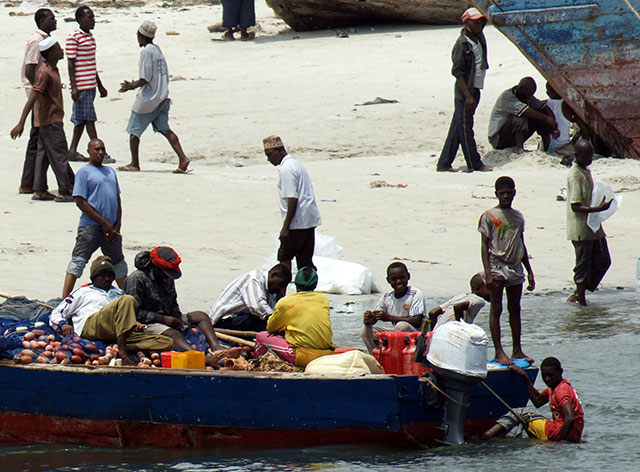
x: 46, y: 102
x: 297, y: 205
x: 470, y: 66
x: 83, y: 74
x: 97, y: 195
x: 152, y: 103
x: 46, y: 22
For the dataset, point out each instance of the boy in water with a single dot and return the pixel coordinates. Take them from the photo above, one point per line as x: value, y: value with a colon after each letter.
x: 403, y: 306
x: 566, y: 409
x: 503, y: 256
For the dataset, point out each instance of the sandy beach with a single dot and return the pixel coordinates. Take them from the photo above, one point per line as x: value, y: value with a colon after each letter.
x: 303, y: 86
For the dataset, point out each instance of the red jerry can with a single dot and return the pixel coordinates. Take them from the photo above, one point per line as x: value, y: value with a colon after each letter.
x: 395, y: 353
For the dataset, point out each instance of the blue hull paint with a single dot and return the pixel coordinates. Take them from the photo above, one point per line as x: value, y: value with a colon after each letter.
x: 155, y: 407
x: 588, y: 50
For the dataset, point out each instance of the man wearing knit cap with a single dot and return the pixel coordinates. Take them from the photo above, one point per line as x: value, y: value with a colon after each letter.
x: 304, y: 319
x: 48, y: 111
x: 152, y: 103
x: 100, y: 312
x: 297, y: 204
x: 470, y: 66
x: 153, y: 287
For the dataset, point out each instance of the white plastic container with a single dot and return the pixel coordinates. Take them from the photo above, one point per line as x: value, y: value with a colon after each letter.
x: 459, y: 347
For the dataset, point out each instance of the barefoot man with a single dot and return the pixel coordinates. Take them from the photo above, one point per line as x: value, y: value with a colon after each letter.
x: 152, y: 103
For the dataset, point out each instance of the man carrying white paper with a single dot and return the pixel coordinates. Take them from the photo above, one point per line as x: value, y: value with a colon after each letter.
x: 592, y: 253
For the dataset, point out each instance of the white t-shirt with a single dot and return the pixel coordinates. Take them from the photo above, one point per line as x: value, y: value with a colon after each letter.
x: 481, y: 72
x: 410, y: 304
x: 153, y: 69
x: 564, y: 125
x: 294, y: 182
x: 81, y: 304
x: 475, y: 305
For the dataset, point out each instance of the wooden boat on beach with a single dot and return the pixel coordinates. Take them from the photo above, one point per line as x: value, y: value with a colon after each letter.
x: 588, y: 50
x: 304, y: 15
x: 185, y: 408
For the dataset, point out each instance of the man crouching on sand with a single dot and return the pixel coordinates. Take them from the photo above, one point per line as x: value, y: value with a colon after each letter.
x: 568, y: 417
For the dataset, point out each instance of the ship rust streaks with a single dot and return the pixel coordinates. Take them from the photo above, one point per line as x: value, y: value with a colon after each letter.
x: 588, y: 50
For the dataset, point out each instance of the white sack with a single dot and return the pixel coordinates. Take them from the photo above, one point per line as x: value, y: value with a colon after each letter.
x: 602, y: 190
x: 459, y: 347
x: 350, y: 362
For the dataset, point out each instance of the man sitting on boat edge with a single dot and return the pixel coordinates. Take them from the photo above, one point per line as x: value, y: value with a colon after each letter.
x: 100, y: 312
x: 247, y: 302
x: 152, y: 285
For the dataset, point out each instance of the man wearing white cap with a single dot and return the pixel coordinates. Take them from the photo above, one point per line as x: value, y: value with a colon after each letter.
x: 469, y: 56
x: 48, y: 111
x: 152, y: 103
x: 297, y: 204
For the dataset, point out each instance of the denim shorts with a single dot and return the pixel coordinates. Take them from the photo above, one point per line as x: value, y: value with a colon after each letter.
x: 158, y: 118
x: 88, y: 240
x: 83, y: 109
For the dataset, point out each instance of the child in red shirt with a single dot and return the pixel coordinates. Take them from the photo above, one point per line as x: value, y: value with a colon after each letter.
x: 566, y: 409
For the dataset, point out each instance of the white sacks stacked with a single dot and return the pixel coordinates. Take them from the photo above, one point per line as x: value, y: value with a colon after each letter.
x: 461, y: 348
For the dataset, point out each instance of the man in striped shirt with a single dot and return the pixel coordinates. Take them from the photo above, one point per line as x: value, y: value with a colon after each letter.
x: 81, y: 59
x: 247, y: 302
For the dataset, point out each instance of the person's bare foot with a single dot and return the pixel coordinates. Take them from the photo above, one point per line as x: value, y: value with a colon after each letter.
x: 446, y: 169
x: 521, y: 355
x: 503, y: 359
x: 247, y: 36
x: 129, y: 168
x: 228, y: 36
x: 127, y: 361
x: 575, y: 297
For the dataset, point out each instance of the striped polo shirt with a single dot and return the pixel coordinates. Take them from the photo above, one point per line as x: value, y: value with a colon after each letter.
x: 81, y: 46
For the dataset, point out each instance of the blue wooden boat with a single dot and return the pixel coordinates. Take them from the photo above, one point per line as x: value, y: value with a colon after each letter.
x: 588, y: 50
x: 183, y: 409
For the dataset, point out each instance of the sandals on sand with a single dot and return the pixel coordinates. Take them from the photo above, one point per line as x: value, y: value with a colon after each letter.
x: 129, y: 169
x: 182, y: 171
x: 64, y: 199
x: 43, y: 197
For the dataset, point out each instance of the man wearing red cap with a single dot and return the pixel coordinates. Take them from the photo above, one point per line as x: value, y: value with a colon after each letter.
x: 153, y: 287
x: 470, y: 65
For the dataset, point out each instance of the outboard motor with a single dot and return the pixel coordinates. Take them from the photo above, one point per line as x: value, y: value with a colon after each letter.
x: 458, y: 356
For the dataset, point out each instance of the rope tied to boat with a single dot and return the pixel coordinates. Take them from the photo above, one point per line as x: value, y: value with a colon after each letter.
x: 444, y: 394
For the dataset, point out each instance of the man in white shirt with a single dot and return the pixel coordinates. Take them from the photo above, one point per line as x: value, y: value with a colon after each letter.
x: 297, y: 204
x: 247, y: 302
x: 152, y: 103
x: 100, y: 312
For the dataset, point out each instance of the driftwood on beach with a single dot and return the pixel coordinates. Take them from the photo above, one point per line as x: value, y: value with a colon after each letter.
x: 303, y: 15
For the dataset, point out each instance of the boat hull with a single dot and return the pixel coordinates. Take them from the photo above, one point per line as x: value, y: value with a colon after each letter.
x: 173, y: 408
x: 587, y: 49
x: 303, y: 15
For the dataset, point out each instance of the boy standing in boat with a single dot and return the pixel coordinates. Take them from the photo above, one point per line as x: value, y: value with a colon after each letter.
x: 403, y: 306
x: 592, y: 253
x: 470, y: 66
x: 503, y: 256
x: 566, y: 409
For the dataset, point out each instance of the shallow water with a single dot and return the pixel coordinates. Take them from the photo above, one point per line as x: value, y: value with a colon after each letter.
x: 598, y: 346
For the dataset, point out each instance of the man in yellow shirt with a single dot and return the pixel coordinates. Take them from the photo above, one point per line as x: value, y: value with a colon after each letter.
x: 304, y: 319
